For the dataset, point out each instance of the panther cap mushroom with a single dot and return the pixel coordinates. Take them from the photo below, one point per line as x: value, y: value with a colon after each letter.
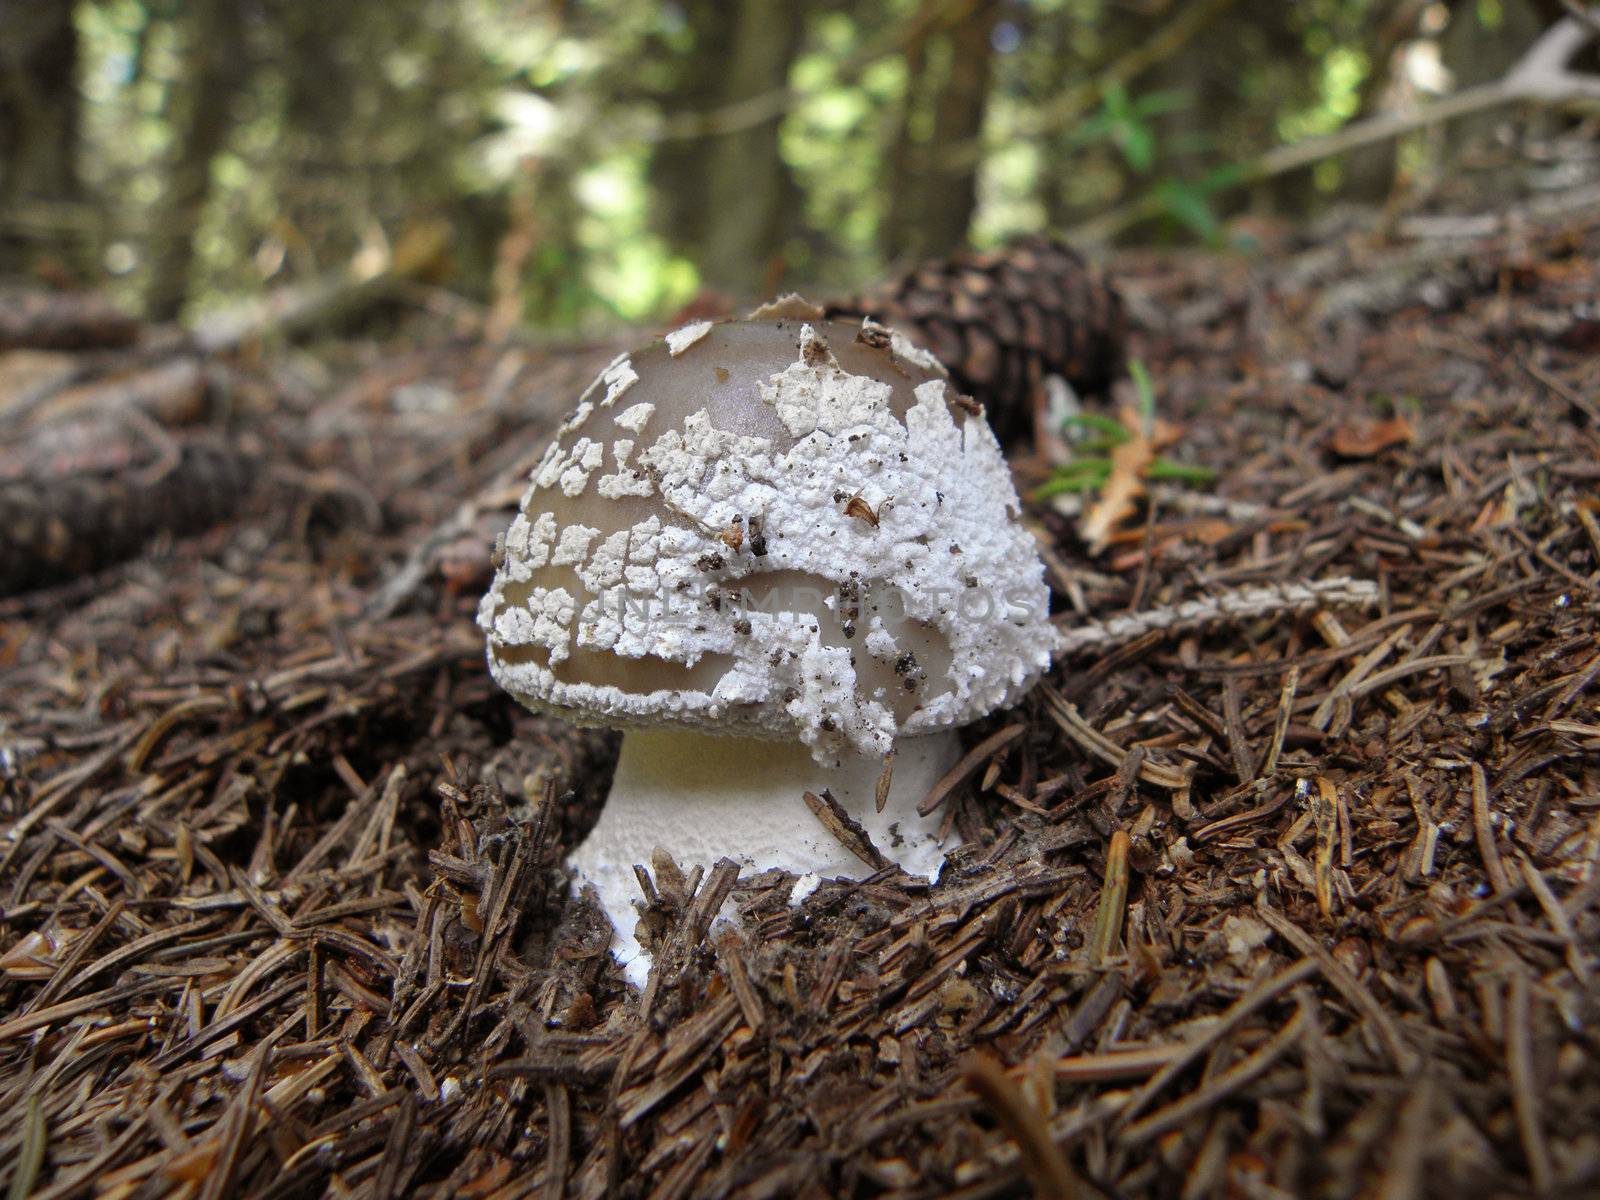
x: 773, y: 551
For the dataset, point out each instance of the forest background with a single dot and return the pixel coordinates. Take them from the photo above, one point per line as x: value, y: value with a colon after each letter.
x: 576, y: 165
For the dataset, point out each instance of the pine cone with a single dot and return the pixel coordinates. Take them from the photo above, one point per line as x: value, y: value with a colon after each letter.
x: 58, y: 527
x: 1001, y: 322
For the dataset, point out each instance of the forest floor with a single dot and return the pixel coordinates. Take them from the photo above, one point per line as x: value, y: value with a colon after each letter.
x: 1287, y: 897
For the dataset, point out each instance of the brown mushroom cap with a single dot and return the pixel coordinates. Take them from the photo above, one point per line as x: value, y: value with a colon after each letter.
x: 710, y: 537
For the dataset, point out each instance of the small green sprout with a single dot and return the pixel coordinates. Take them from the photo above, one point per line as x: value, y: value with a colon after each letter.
x: 1090, y: 468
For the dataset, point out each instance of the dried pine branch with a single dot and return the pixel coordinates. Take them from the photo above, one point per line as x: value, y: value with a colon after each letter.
x: 66, y: 525
x: 41, y: 320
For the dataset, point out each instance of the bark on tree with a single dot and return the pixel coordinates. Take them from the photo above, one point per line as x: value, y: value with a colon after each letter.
x: 1370, y: 174
x: 216, y: 66
x: 949, y: 64
x: 902, y: 214
x: 679, y: 167
x: 1065, y: 158
x: 1211, y: 123
x: 751, y: 196
x: 1477, y: 55
x: 39, y: 108
x: 958, y: 116
x: 727, y: 198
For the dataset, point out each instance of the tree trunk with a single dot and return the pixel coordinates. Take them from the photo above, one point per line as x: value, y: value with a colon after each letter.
x: 751, y: 197
x: 948, y: 68
x: 958, y: 114
x: 39, y: 109
x: 679, y: 168
x: 215, y: 68
x: 1475, y: 54
x: 1370, y: 173
x: 902, y: 218
x: 1117, y: 32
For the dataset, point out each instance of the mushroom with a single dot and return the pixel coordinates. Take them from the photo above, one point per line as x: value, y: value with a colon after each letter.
x: 771, y: 551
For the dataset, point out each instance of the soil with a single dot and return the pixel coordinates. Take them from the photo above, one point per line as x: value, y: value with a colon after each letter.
x: 1293, y: 891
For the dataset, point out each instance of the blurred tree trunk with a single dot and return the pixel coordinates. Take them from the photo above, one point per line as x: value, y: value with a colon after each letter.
x: 1476, y: 53
x: 321, y: 80
x: 931, y: 198
x: 958, y: 116
x: 1069, y: 162
x: 902, y: 217
x: 751, y: 197
x: 39, y: 109
x: 215, y: 68
x: 680, y: 169
x: 1261, y: 44
x: 1371, y: 172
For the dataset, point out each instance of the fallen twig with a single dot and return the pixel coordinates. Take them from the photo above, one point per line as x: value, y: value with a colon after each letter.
x: 1241, y: 604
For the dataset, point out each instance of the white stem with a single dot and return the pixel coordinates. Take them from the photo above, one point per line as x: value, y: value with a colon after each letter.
x: 703, y: 798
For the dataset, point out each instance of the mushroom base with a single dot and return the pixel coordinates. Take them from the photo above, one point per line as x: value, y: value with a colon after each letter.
x: 702, y: 798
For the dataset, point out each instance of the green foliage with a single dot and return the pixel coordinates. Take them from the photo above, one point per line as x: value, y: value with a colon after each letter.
x: 1192, y: 203
x: 1094, y: 436
x: 1144, y: 389
x: 1132, y: 126
x: 1129, y: 124
x: 573, y: 127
